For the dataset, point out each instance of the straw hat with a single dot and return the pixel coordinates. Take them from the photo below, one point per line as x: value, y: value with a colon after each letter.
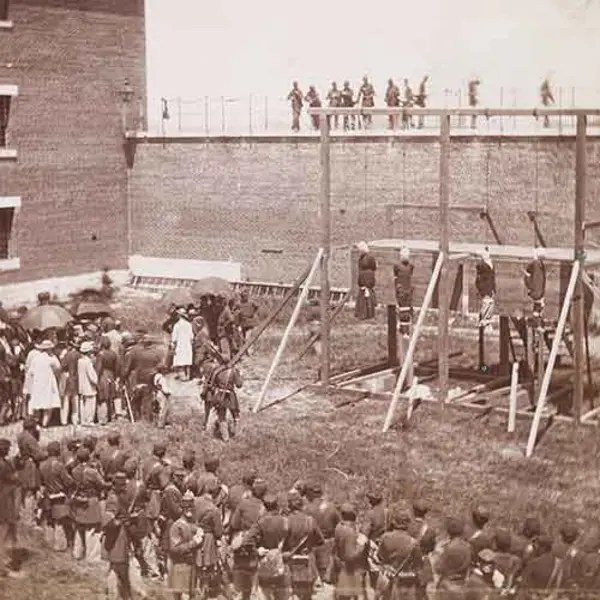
x: 362, y: 247
x: 405, y: 253
x: 538, y: 253
x: 45, y: 345
x: 86, y: 347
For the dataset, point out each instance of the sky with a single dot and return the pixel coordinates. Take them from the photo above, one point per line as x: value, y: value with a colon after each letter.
x: 234, y: 48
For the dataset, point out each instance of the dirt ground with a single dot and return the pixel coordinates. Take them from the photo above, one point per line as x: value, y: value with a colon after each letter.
x: 449, y: 458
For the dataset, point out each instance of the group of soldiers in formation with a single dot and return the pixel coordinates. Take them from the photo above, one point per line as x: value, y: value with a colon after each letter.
x: 204, y: 535
x: 394, y: 97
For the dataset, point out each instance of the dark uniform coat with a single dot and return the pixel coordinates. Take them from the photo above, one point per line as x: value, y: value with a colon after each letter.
x: 114, y: 523
x: 182, y: 552
x: 535, y: 281
x: 107, y: 368
x: 303, y: 536
x: 247, y: 514
x: 208, y: 517
x: 485, y: 279
x: 85, y: 505
x: 9, y: 512
x: 30, y: 456
x: 58, y: 484
x: 350, y: 560
x: 327, y: 517
x: 453, y: 568
x: 156, y: 476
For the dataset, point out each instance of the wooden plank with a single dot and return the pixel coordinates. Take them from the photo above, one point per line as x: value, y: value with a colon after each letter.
x: 590, y: 414
x: 326, y: 245
x: 392, y: 335
x: 286, y: 334
x: 413, y: 343
x: 512, y: 406
x: 577, y: 311
x: 562, y: 321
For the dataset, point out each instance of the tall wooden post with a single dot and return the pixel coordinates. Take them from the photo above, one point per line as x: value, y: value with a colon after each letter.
x: 392, y: 336
x: 577, y: 312
x: 444, y: 299
x: 326, y: 245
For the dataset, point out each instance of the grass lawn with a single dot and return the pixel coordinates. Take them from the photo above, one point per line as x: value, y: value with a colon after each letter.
x: 452, y: 459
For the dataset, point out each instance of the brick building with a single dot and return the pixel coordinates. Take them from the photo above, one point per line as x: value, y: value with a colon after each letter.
x: 63, y: 176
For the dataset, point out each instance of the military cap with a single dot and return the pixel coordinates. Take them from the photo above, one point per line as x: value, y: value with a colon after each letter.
x: 29, y: 422
x: 420, y: 508
x: 480, y: 515
x: 294, y: 499
x: 531, y: 527
x: 113, y: 438
x: 374, y: 495
x: 73, y: 444
x: 53, y: 449
x: 270, y: 501
x: 455, y: 526
x: 400, y: 518
x: 503, y: 540
x: 179, y: 473
x: 83, y: 454
x: 569, y: 532
x: 315, y: 488
x: 188, y: 498
x: 90, y: 441
x: 119, y: 477
x: 249, y: 477
x: 4, y: 444
x: 348, y: 511
x: 259, y: 488
x: 211, y: 463
x: 486, y: 555
x: 130, y: 467
x: 159, y: 448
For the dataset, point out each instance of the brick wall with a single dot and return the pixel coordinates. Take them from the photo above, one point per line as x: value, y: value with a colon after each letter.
x: 69, y: 60
x: 224, y: 200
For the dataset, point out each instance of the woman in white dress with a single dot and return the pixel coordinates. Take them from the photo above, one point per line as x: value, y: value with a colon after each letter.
x: 182, y: 338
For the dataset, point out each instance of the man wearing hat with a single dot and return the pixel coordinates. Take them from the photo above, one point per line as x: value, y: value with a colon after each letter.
x: 87, y: 380
x: 182, y: 338
x: 41, y: 384
x: 350, y: 552
x: 225, y: 327
x: 107, y: 369
x: 9, y: 512
x: 485, y: 283
x: 542, y: 574
x: 114, y: 336
x: 326, y: 515
x: 170, y: 511
x: 70, y: 386
x: 403, y: 274
x: 113, y: 456
x: 506, y: 563
x: 240, y: 491
x: 481, y: 536
x: 298, y: 548
x: 268, y: 536
x: 248, y: 311
x: 30, y: 457
x: 58, y: 485
x: 455, y: 560
x: 375, y: 525
x: 185, y: 538
x: 247, y: 514
x: 85, y: 505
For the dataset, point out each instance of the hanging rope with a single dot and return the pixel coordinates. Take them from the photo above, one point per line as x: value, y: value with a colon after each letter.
x: 537, y: 177
x: 402, y: 216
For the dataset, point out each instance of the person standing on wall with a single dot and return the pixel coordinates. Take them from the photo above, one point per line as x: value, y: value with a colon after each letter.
x: 365, y: 300
x: 347, y: 101
x: 366, y: 99
x: 295, y: 97
x: 420, y: 99
x: 547, y: 99
x: 392, y: 100
x: 313, y: 100
x: 473, y: 93
x: 334, y: 97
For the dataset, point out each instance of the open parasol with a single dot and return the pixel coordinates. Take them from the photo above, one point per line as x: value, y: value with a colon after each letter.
x: 93, y: 309
x: 214, y: 286
x: 178, y: 297
x: 44, y: 317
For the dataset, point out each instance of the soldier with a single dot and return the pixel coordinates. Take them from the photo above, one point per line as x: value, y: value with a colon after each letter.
x: 403, y: 274
x: 506, y: 563
x: 295, y: 97
x: 421, y: 99
x: 525, y: 545
x: 30, y: 456
x: 375, y: 525
x: 327, y: 517
x: 480, y: 583
x: 69, y: 384
x: 407, y: 120
x: 455, y: 561
x: 573, y: 558
x: 547, y: 98
x: 188, y: 462
x: 535, y: 282
x: 425, y: 534
x: 248, y: 313
x: 113, y: 457
x: 210, y: 563
x: 334, y: 97
x: 107, y: 368
x: 243, y: 519
x: 185, y: 538
x: 70, y: 455
x: 268, y: 535
x: 401, y: 558
x: 115, y: 525
x: 9, y: 512
x: 162, y: 395
x: 211, y: 466
x: 481, y: 538
x: 298, y: 549
x: 473, y: 93
x: 392, y: 99
x: 366, y: 99
x: 542, y: 574
x: 91, y: 443
x: 85, y: 505
x: 347, y: 100
x: 109, y: 327
x: 170, y: 511
x: 241, y: 491
x: 225, y: 326
x: 485, y: 283
x: 349, y: 551
x: 58, y: 485
x: 221, y: 396
x: 312, y: 97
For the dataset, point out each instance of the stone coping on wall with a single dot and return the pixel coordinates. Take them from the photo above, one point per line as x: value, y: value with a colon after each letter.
x: 466, y: 135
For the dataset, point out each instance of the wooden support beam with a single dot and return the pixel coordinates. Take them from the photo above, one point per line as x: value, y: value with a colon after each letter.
x: 444, y: 300
x: 590, y: 414
x: 512, y: 406
x: 326, y: 246
x: 286, y: 334
x: 392, y: 335
x: 464, y: 308
x: 505, y: 340
x: 562, y: 321
x: 577, y: 312
x: 457, y: 287
x: 413, y: 343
